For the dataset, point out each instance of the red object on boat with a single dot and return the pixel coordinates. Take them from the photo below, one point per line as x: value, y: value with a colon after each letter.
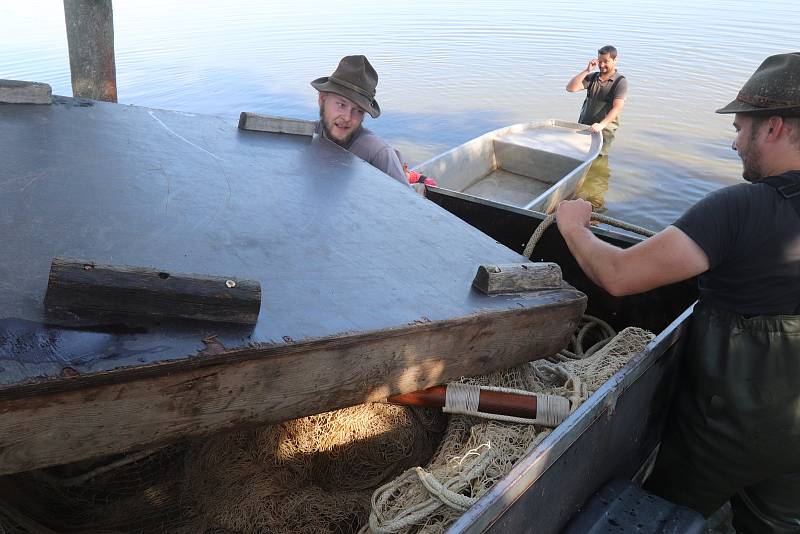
x: 416, y: 178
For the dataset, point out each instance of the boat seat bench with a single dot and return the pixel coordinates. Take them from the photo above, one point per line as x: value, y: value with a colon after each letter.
x: 622, y: 506
x: 532, y: 162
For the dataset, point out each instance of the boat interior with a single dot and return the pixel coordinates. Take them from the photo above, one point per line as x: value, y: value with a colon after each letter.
x: 530, y: 166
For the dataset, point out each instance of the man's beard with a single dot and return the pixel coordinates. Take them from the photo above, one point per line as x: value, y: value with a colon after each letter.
x: 326, y: 128
x: 751, y: 160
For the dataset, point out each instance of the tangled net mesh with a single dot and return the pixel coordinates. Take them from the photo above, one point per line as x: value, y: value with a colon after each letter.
x: 476, y: 453
x: 315, y: 474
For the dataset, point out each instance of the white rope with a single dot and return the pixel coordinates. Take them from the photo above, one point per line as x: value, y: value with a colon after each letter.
x: 551, y: 410
x: 537, y: 234
x: 464, y: 399
x: 433, y: 510
x: 447, y: 494
x: 449, y: 498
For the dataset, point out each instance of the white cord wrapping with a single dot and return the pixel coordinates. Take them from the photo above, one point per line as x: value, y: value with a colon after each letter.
x: 464, y: 399
x: 551, y: 410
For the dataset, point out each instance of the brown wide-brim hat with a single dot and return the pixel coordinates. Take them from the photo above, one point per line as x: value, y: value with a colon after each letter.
x: 354, y: 79
x: 773, y: 87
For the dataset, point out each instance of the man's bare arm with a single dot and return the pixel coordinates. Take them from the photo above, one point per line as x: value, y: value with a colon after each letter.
x: 669, y: 256
x: 576, y: 83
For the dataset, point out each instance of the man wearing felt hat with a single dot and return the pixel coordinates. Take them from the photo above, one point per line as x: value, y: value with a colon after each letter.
x: 734, y: 428
x: 344, y: 97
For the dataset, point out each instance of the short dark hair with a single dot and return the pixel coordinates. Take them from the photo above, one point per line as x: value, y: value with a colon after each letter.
x: 794, y: 124
x: 789, y: 118
x: 608, y: 49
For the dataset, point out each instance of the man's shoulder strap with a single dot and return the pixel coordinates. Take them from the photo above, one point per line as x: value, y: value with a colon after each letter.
x: 613, y: 91
x: 593, y: 77
x: 788, y: 186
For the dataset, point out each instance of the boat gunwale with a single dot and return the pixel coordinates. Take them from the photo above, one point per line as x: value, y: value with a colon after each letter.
x: 597, y: 230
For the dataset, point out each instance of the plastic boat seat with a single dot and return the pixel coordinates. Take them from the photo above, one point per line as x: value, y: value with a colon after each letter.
x: 622, y: 506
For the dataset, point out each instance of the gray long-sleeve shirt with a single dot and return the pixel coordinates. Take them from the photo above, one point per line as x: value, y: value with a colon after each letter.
x: 375, y: 151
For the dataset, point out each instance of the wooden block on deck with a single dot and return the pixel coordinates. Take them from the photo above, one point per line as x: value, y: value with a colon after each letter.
x: 264, y: 123
x: 517, y: 277
x: 85, y: 286
x: 20, y: 92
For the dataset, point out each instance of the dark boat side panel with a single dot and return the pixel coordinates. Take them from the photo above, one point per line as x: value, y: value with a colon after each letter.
x: 652, y: 310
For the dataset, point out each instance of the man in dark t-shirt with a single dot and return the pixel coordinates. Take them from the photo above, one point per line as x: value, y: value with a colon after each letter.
x: 606, y: 90
x: 733, y: 432
x: 751, y: 236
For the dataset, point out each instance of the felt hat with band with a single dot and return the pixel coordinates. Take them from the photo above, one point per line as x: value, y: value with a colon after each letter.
x: 354, y: 79
x: 773, y: 87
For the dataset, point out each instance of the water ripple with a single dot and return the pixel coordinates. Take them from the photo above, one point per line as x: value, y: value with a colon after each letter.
x: 448, y: 71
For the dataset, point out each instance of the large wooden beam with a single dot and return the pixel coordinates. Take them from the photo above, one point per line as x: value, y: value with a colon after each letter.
x: 107, y: 413
x: 90, y: 35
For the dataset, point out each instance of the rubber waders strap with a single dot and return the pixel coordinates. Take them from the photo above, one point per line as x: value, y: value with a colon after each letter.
x: 789, y: 189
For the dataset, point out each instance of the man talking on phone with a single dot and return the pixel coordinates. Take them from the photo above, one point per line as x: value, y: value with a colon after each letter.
x: 606, y: 90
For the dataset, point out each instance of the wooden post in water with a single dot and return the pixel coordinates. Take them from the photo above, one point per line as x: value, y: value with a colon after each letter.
x: 90, y: 35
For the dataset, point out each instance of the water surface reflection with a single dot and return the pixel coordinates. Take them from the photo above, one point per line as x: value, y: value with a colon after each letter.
x: 449, y: 71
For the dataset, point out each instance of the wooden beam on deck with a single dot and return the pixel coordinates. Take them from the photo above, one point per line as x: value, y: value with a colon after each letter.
x: 90, y: 35
x: 84, y: 286
x: 266, y: 123
x: 21, y: 92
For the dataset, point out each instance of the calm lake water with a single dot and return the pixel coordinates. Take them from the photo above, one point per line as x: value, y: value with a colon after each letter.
x: 449, y: 71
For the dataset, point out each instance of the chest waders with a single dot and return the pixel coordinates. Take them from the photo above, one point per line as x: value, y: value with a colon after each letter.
x: 734, y: 429
x: 595, y: 109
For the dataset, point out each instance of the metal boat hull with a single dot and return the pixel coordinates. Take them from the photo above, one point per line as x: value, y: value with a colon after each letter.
x: 531, y: 165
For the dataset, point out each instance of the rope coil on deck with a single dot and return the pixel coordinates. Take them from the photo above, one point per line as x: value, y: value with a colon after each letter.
x: 440, y: 494
x: 588, y: 323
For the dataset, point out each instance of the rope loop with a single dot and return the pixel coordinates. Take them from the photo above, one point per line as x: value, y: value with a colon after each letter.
x: 537, y: 234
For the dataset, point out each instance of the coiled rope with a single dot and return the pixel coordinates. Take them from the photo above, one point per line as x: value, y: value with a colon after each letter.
x: 587, y: 324
x: 448, y: 493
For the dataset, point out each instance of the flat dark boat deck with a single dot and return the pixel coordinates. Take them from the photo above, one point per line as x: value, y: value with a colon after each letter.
x: 365, y: 285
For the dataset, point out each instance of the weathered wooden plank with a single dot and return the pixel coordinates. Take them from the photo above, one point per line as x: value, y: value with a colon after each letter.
x: 127, y: 409
x: 76, y: 285
x: 517, y: 277
x: 21, y: 92
x: 265, y: 123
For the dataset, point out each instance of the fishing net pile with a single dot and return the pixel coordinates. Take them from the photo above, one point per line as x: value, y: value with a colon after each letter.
x: 316, y: 474
x: 476, y: 453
